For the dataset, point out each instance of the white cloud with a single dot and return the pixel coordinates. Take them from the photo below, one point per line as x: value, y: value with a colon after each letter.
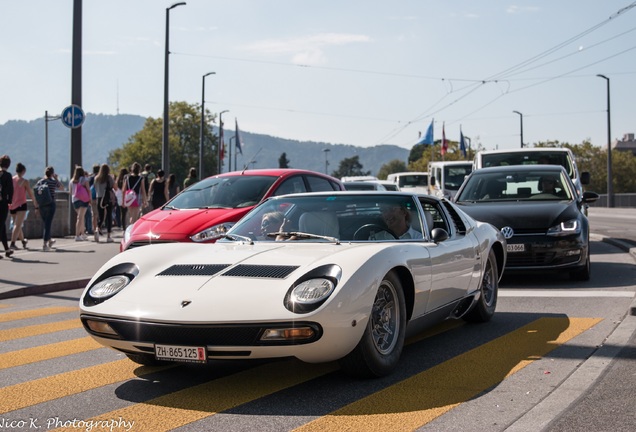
x: 307, y: 49
x: 514, y: 9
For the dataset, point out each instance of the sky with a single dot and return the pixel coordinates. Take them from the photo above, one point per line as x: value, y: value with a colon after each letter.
x: 358, y: 72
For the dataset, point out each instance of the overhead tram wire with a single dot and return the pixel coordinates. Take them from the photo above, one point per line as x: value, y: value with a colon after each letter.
x: 504, y: 73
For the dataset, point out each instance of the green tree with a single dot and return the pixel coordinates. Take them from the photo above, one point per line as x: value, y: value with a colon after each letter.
x: 283, y: 162
x: 185, y: 127
x: 350, y: 167
x: 391, y: 167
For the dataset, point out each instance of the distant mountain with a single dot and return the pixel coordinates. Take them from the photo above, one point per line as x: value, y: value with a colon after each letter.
x: 24, y: 141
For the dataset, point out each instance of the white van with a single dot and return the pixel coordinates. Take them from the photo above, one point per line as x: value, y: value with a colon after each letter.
x: 445, y: 178
x: 537, y: 155
x: 410, y: 181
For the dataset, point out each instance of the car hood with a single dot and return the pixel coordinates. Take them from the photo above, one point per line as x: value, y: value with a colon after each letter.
x: 188, y: 221
x: 251, y: 288
x: 522, y: 215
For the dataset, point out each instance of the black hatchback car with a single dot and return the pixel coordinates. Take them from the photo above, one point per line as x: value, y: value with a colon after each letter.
x: 538, y: 211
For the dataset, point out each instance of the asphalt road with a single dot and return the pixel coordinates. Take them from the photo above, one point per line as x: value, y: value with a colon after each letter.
x: 597, y: 385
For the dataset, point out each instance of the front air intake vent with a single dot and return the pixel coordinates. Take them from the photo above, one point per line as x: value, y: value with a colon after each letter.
x: 260, y: 271
x: 193, y: 270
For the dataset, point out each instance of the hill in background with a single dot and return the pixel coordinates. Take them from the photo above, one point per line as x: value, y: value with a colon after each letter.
x: 24, y: 141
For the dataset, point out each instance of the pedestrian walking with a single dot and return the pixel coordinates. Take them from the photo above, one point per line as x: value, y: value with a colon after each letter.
x: 81, y: 198
x: 47, y: 212
x: 123, y: 210
x: 18, y: 207
x: 191, y: 178
x: 94, y: 207
x: 134, y: 192
x: 6, y: 196
x: 159, y: 190
x: 104, y: 184
x: 173, y: 186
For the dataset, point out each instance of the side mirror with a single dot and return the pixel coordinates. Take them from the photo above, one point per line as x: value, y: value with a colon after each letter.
x: 439, y: 235
x: 585, y: 178
x: 589, y: 197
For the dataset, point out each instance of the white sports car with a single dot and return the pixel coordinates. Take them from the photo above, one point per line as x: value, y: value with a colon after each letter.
x: 325, y: 276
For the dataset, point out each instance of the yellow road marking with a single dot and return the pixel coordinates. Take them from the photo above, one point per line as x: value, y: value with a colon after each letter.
x: 39, y: 329
x: 2, y: 305
x: 14, y: 316
x: 65, y: 384
x: 46, y: 352
x: 195, y: 403
x: 420, y: 399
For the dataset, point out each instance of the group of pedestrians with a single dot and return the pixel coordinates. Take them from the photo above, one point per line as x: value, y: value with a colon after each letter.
x: 101, y: 200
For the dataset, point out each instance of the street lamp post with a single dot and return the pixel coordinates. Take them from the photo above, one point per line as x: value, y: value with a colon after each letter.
x: 326, y: 160
x: 610, y: 189
x: 47, y: 119
x: 165, y: 149
x: 201, y: 135
x: 220, y: 140
x: 521, y: 120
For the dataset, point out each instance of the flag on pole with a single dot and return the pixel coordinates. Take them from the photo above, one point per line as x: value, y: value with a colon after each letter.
x: 444, y: 142
x: 462, y: 142
x: 237, y: 142
x: 428, y: 138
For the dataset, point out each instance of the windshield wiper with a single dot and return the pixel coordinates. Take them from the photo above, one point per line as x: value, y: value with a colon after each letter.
x: 295, y: 235
x: 171, y: 208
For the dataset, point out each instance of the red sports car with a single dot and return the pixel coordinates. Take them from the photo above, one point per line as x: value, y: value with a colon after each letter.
x: 207, y: 209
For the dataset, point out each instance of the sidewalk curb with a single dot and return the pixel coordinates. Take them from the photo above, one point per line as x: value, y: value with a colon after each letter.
x: 589, y: 372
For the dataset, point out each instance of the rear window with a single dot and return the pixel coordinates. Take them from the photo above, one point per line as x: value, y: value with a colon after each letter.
x: 224, y: 192
x: 529, y: 158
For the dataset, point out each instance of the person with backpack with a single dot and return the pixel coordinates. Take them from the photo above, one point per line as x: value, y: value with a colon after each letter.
x: 6, y: 196
x: 135, y: 192
x: 49, y: 183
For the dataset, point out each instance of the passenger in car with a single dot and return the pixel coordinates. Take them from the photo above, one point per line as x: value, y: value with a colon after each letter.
x: 271, y: 222
x: 398, y: 219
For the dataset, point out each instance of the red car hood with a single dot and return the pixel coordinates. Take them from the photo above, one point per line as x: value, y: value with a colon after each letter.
x: 185, y: 222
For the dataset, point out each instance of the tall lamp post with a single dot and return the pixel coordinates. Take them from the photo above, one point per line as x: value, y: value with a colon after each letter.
x: 165, y: 148
x: 610, y: 189
x: 221, y: 139
x: 521, y: 120
x: 326, y: 160
x: 201, y: 135
x: 47, y: 119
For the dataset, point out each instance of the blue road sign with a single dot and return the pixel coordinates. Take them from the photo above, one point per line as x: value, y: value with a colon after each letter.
x: 73, y: 116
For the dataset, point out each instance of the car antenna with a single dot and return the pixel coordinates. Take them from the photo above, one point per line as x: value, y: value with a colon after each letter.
x: 251, y: 160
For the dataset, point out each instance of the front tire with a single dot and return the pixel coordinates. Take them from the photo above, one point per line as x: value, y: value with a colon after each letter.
x: 484, y: 310
x: 380, y: 347
x: 582, y: 273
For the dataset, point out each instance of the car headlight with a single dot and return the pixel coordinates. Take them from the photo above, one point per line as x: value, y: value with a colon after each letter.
x: 108, y: 287
x: 567, y: 228
x: 212, y: 233
x: 311, y: 291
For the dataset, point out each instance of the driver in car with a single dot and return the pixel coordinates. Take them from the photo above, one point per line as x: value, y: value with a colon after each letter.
x: 398, y: 219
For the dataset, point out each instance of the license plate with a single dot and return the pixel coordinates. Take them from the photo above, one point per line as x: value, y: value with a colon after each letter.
x: 516, y: 247
x: 179, y: 353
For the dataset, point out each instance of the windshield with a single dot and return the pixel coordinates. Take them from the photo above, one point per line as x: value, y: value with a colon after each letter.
x: 327, y: 217
x: 224, y: 192
x: 413, y: 180
x: 455, y: 175
x: 515, y: 186
x: 529, y: 158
